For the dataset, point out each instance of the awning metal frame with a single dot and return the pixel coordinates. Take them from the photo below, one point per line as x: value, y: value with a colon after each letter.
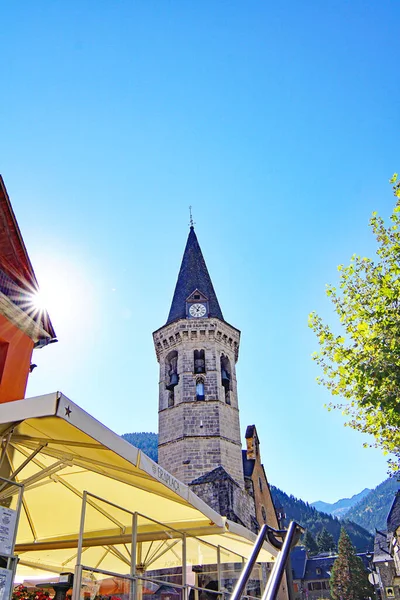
x: 139, y: 563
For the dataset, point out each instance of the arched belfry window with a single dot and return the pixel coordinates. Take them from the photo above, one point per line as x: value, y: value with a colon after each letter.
x: 199, y: 361
x: 171, y: 375
x: 200, y: 388
x: 226, y: 377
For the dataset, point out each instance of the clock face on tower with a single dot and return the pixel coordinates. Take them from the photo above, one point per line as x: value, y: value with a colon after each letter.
x: 197, y: 310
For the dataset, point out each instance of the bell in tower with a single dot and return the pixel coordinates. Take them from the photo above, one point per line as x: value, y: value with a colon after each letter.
x: 199, y: 362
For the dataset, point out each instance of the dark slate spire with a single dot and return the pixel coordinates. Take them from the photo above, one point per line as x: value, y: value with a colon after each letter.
x: 193, y: 275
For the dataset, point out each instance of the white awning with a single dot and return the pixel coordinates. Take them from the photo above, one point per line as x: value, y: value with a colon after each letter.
x: 58, y: 451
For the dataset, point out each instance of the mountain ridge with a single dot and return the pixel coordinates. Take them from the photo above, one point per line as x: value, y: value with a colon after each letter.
x: 371, y: 512
x: 315, y: 521
x: 341, y: 506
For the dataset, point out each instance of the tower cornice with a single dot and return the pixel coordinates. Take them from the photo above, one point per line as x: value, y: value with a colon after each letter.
x: 169, y: 336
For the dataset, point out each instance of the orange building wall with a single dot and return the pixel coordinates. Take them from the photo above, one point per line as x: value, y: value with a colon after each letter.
x: 15, y: 359
x: 263, y: 498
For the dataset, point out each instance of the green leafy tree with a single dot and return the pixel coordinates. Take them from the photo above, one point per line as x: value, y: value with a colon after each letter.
x: 349, y: 579
x: 325, y: 541
x: 309, y: 543
x: 362, y: 364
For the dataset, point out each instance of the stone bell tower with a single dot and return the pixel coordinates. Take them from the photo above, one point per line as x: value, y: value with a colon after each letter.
x: 197, y: 350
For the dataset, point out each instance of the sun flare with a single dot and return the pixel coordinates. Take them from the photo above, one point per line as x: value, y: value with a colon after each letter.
x: 39, y: 302
x: 64, y: 292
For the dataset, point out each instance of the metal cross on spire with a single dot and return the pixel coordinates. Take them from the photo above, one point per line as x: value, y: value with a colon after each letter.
x: 192, y: 223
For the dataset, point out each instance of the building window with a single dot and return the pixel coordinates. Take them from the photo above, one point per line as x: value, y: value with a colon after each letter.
x: 199, y: 388
x: 199, y: 361
x: 318, y: 571
x: 260, y: 485
x: 315, y: 586
x: 226, y: 377
x: 3, y: 355
x: 264, y: 514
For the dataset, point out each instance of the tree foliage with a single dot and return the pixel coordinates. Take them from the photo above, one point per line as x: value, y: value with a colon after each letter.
x: 146, y: 441
x: 362, y: 364
x: 309, y: 543
x: 325, y: 541
x: 349, y: 579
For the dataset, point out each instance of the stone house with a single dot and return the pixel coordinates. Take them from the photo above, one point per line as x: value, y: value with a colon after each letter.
x: 311, y: 574
x: 386, y: 554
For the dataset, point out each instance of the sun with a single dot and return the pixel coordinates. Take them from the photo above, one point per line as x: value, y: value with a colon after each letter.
x: 39, y: 301
x: 58, y: 296
x: 65, y: 293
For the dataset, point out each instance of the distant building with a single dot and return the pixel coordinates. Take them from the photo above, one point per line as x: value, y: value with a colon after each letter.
x: 311, y: 575
x: 386, y: 554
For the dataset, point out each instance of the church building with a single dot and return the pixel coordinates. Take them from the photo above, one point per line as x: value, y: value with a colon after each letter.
x: 199, y: 427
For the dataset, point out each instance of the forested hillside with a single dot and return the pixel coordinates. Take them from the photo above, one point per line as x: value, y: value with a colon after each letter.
x: 372, y: 511
x: 146, y: 441
x: 369, y: 513
x: 314, y: 521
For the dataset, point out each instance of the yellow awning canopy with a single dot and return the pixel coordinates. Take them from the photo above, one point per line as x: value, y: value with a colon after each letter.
x: 58, y: 451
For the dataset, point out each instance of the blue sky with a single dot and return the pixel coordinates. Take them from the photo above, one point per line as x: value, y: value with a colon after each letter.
x: 277, y: 122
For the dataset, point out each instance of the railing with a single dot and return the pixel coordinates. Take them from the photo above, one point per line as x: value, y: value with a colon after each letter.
x: 290, y: 537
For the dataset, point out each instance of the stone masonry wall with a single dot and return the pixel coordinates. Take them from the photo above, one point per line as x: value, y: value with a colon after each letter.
x: 190, y: 458
x: 229, y: 500
x: 195, y: 436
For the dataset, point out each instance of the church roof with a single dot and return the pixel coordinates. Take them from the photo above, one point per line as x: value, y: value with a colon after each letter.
x: 217, y: 474
x: 298, y: 561
x: 248, y: 464
x: 393, y: 518
x: 193, y: 275
x: 250, y: 431
x: 381, y: 547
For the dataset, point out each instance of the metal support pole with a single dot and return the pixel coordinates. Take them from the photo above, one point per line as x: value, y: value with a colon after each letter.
x: 139, y: 573
x: 76, y: 588
x: 81, y: 529
x: 133, y: 557
x: 275, y: 578
x: 219, y: 568
x: 185, y: 589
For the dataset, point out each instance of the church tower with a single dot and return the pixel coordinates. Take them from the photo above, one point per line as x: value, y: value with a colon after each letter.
x: 197, y: 351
